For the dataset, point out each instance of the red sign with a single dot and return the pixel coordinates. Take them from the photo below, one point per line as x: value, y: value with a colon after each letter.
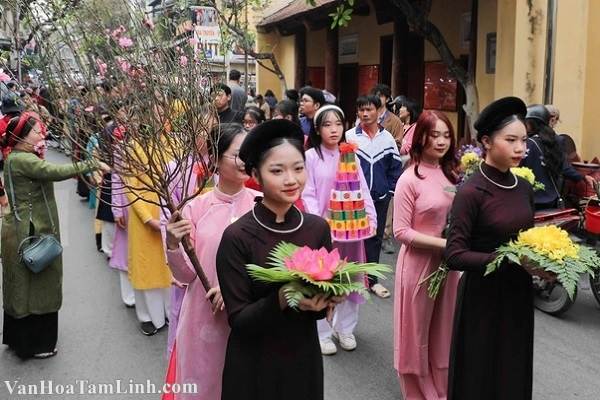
x: 368, y: 76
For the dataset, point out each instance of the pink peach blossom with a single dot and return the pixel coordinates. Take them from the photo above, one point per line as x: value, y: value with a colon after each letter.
x: 102, y: 68
x: 125, y: 42
x: 118, y: 32
x: 124, y: 65
x: 149, y: 23
x: 319, y: 265
x: 183, y: 60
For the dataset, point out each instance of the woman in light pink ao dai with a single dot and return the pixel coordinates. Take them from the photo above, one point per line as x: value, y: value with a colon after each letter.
x: 201, y: 339
x: 423, y: 326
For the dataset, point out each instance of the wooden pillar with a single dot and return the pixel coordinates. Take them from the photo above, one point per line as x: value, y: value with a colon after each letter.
x: 399, y: 70
x: 415, y: 67
x: 407, y: 66
x: 300, y: 44
x: 331, y: 61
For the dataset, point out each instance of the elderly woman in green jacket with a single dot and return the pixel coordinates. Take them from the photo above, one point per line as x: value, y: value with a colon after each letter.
x: 31, y: 300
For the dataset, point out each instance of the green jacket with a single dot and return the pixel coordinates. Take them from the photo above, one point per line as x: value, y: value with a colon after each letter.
x: 24, y: 292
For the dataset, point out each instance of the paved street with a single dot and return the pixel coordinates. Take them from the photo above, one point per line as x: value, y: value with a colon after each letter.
x: 99, y: 339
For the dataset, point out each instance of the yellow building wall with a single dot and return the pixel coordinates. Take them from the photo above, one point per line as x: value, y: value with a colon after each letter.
x: 521, y: 49
x: 369, y: 32
x: 505, y: 48
x: 284, y: 51
x: 569, y: 67
x: 530, y: 50
x: 447, y: 16
x: 486, y: 23
x: 287, y: 59
x: 591, y: 114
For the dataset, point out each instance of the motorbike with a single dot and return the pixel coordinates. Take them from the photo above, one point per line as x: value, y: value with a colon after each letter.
x: 583, y: 225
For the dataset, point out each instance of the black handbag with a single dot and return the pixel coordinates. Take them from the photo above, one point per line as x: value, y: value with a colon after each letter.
x: 36, y: 252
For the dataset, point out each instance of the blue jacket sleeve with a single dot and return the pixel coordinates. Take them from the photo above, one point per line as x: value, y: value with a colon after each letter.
x: 394, y: 169
x: 569, y: 172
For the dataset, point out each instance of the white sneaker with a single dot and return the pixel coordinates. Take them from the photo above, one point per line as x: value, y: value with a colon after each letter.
x: 347, y: 340
x: 328, y: 348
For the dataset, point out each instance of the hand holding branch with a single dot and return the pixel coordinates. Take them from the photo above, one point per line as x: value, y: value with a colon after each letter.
x: 177, y: 228
x: 216, y: 300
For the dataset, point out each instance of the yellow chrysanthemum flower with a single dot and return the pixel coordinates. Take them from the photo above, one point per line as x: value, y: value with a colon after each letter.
x: 468, y: 159
x: 525, y: 173
x: 550, y: 241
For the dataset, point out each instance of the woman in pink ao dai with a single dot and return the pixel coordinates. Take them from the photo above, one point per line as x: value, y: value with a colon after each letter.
x: 201, y: 339
x: 423, y: 326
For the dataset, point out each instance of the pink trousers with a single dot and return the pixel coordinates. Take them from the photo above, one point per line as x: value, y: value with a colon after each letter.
x: 433, y: 386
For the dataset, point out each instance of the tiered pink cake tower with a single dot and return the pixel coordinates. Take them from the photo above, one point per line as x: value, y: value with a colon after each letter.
x: 348, y: 218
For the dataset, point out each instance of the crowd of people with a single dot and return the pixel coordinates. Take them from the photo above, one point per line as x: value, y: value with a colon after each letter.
x: 276, y: 167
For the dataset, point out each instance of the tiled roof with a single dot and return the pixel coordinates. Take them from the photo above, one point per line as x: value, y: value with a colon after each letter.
x: 292, y: 9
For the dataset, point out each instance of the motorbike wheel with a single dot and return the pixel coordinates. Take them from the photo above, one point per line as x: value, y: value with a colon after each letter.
x: 595, y: 286
x: 552, y: 298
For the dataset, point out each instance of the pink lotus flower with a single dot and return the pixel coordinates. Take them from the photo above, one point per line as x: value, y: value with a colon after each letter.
x: 125, y: 42
x: 183, y: 60
x: 319, y: 265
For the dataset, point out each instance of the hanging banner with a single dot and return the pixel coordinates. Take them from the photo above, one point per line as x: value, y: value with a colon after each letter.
x: 207, y: 31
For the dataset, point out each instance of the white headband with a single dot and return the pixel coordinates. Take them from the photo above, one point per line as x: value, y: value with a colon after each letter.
x: 326, y: 108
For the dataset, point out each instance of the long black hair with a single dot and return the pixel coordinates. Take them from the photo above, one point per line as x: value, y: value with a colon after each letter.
x: 546, y: 138
x: 411, y: 105
x: 314, y: 138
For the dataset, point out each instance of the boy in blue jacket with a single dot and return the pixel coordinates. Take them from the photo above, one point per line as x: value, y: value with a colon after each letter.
x: 381, y: 165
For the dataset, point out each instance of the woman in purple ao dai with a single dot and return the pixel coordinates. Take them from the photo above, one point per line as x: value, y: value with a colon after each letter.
x: 321, y: 165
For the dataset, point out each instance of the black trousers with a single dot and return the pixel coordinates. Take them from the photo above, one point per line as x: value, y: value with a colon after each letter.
x: 373, y: 245
x: 32, y: 334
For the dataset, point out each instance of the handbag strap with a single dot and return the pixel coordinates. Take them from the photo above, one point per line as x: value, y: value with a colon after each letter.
x: 48, y: 209
x: 27, y: 239
x: 11, y: 191
x: 14, y: 204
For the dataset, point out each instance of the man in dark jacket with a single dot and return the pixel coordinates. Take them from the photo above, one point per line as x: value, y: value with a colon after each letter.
x: 222, y: 99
